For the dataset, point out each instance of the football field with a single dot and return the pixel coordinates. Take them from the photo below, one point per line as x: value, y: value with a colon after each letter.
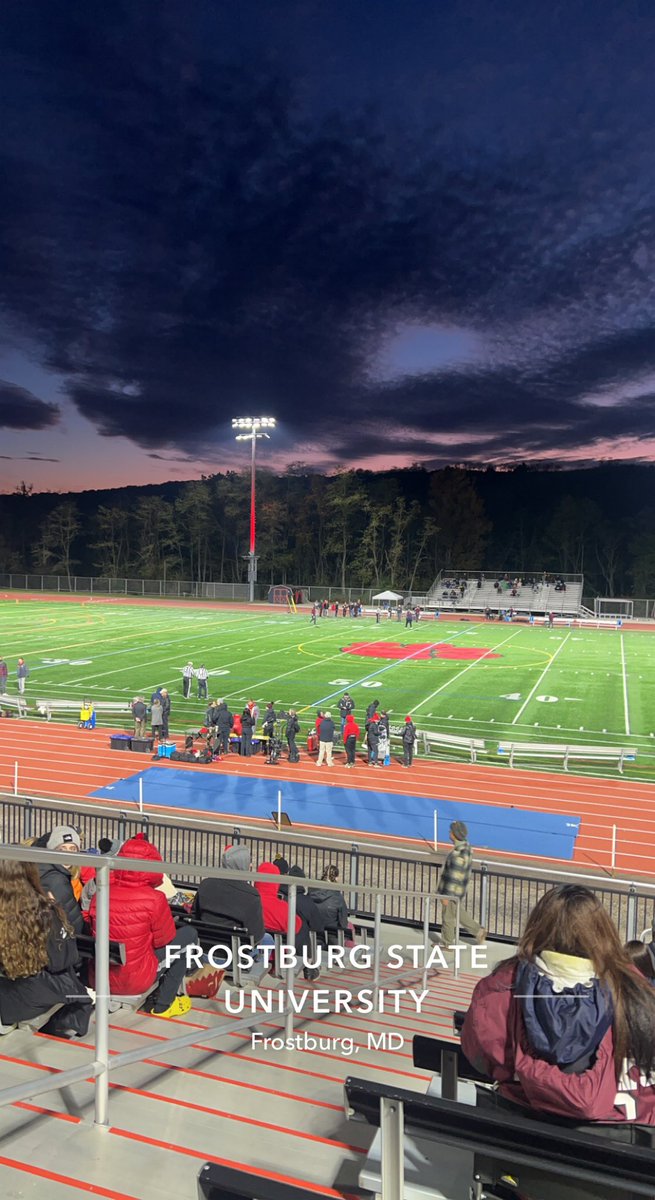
x: 473, y: 678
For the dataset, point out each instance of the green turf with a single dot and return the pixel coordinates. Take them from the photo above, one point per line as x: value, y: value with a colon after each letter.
x: 567, y: 685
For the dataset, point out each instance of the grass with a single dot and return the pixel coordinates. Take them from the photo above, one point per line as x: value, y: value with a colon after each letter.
x: 554, y: 685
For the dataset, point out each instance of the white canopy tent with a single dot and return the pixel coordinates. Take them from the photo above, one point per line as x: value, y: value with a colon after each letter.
x: 387, y: 596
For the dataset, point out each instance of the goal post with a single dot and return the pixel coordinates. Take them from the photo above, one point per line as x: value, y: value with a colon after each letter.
x: 613, y: 607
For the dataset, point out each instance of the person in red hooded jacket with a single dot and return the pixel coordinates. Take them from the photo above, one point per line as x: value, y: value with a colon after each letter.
x: 276, y: 911
x: 567, y: 1027
x: 140, y: 918
x: 350, y: 736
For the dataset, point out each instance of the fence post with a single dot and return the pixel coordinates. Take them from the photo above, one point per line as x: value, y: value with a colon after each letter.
x: 289, y: 973
x: 632, y: 913
x: 377, y: 949
x: 122, y: 827
x: 236, y: 835
x: 27, y: 819
x: 484, y: 895
x: 102, y: 995
x: 354, y: 877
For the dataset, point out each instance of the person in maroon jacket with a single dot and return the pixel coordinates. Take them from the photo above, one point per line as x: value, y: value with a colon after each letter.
x: 567, y: 1027
x: 140, y: 918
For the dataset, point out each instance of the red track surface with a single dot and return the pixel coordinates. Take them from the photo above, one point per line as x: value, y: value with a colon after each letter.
x: 59, y: 761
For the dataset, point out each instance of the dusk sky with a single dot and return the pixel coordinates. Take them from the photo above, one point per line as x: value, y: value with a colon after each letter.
x: 411, y: 230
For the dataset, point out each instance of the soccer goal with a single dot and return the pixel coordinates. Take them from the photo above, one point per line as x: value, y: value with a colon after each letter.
x: 281, y: 594
x: 611, y: 607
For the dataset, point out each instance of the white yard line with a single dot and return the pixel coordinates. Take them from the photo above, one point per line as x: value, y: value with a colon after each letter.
x: 541, y: 677
x: 464, y: 670
x: 626, y: 709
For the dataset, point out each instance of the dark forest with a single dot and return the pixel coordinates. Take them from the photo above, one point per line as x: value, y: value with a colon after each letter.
x: 356, y: 528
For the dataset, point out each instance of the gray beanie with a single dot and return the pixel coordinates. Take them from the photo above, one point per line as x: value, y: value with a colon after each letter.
x: 459, y: 831
x: 63, y: 835
x: 236, y: 858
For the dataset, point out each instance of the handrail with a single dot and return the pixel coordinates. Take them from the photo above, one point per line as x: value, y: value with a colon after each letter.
x: 100, y: 1066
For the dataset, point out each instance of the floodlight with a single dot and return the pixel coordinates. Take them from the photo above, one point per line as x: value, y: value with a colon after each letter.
x: 254, y: 425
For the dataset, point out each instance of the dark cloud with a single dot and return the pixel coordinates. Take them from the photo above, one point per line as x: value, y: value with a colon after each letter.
x: 20, y: 409
x: 189, y: 237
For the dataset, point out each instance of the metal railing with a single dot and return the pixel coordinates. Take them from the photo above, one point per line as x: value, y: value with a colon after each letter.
x: 500, y: 894
x: 102, y: 1063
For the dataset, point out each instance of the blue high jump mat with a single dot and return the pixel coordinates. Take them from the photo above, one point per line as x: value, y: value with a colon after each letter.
x: 491, y: 827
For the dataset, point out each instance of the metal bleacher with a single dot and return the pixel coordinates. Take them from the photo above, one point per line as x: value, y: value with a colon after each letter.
x: 538, y: 593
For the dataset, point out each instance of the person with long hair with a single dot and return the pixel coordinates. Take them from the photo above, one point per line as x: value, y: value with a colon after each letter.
x: 567, y: 1026
x: 332, y: 905
x: 642, y: 954
x: 38, y: 955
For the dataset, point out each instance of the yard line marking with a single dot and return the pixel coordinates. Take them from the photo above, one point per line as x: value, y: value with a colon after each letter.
x: 626, y: 709
x: 541, y: 677
x: 463, y: 672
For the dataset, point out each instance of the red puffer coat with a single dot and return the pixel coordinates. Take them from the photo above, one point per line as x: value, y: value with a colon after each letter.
x: 139, y: 917
x: 494, y: 1040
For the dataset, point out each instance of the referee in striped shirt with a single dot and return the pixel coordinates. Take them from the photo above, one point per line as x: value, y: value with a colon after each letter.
x: 187, y: 677
x: 201, y: 676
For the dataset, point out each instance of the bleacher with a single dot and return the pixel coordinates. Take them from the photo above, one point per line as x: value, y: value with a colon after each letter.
x: 539, y: 598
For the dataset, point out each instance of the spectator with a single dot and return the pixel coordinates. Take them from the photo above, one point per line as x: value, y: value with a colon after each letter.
x: 350, y: 736
x: 156, y: 718
x: 409, y: 738
x: 275, y: 911
x: 306, y: 908
x: 56, y: 879
x: 332, y: 904
x: 409, y: 618
x: 642, y: 954
x: 372, y: 709
x: 453, y: 882
x: 384, y: 750
x: 270, y: 717
x: 325, y: 740
x: 187, y: 679
x: 38, y: 956
x: 165, y: 711
x: 247, y: 726
x: 373, y: 740
x: 567, y: 1026
x: 224, y: 723
x: 346, y: 707
x: 3, y: 677
x: 139, y: 918
x: 139, y: 712
x: 22, y: 672
x: 292, y: 731
x: 235, y: 899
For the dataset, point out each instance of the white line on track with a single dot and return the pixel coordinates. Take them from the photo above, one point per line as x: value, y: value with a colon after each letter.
x: 626, y: 709
x: 541, y: 677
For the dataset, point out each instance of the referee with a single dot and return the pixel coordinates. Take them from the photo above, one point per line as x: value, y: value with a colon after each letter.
x: 187, y: 678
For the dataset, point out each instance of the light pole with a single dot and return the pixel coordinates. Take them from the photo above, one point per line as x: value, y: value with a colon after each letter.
x: 252, y: 428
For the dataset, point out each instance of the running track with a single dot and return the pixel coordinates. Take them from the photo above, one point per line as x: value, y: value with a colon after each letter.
x: 58, y: 761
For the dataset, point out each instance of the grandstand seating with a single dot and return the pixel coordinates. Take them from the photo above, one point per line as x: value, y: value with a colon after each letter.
x: 542, y: 598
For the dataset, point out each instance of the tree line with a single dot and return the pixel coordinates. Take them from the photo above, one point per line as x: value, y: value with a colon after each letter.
x: 355, y: 528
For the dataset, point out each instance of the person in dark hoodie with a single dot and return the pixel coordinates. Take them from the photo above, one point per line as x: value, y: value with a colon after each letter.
x: 567, y: 1026
x: 224, y: 723
x: 642, y: 954
x: 247, y: 726
x: 56, y: 877
x: 39, y: 959
x: 331, y: 903
x: 236, y: 899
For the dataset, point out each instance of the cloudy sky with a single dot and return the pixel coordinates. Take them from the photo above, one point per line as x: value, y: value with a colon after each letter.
x: 411, y: 230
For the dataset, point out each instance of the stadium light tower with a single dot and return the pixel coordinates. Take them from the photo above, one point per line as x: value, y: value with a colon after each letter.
x: 252, y: 428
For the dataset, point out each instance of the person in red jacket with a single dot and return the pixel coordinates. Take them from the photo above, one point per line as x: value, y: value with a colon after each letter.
x: 567, y: 1027
x: 350, y: 736
x: 276, y: 911
x: 140, y: 918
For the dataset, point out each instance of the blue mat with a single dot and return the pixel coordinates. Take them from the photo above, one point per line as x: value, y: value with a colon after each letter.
x: 510, y: 829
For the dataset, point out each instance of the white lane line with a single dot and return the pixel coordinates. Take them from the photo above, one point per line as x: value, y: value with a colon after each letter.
x: 626, y: 709
x: 541, y: 677
x: 463, y: 672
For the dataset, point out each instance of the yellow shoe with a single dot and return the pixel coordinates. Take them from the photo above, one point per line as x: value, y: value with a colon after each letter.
x: 178, y: 1008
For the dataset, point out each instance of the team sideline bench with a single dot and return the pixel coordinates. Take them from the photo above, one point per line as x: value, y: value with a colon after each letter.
x: 611, y: 754
x: 111, y: 707
x: 554, y: 1161
x: 442, y: 741
x: 16, y: 702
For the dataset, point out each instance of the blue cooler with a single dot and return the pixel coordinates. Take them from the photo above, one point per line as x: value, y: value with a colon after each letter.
x: 165, y: 749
